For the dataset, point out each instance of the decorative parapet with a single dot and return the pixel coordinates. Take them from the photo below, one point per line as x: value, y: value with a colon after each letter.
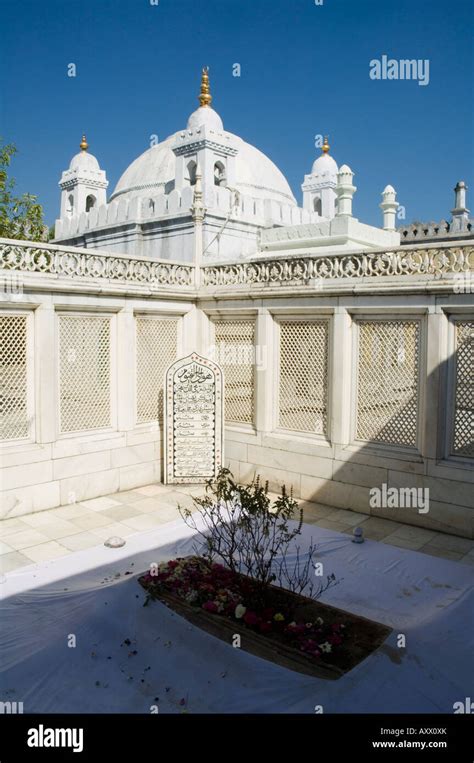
x: 71, y: 262
x: 420, y: 232
x: 420, y: 262
x: 155, y: 204
x: 76, y: 263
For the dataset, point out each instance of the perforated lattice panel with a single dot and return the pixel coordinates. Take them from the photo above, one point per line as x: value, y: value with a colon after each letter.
x: 157, y: 346
x: 235, y: 352
x: 13, y: 372
x: 84, y: 374
x: 303, y: 376
x: 387, y: 404
x: 464, y: 405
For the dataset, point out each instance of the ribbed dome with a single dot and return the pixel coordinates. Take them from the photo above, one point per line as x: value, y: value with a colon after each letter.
x: 154, y: 171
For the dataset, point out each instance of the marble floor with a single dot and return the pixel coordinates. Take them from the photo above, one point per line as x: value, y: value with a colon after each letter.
x: 58, y: 532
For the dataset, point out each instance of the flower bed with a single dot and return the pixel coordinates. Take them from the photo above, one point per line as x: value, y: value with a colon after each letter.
x: 273, y: 623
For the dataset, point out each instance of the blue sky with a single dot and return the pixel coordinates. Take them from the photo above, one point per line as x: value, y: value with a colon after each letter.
x: 304, y: 71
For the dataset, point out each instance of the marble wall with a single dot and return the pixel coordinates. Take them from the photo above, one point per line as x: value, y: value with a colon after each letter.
x: 403, y: 338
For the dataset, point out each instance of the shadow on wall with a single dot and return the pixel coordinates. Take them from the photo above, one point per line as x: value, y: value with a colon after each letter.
x: 430, y: 487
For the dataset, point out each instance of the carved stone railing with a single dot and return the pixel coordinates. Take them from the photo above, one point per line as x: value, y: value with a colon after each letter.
x: 75, y: 263
x: 300, y: 270
x: 71, y: 262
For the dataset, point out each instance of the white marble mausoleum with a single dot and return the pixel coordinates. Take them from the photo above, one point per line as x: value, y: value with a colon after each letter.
x: 347, y: 349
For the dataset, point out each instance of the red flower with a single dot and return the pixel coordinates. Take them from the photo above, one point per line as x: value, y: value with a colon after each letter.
x: 264, y: 627
x: 297, y: 629
x: 210, y: 606
x: 308, y: 645
x: 250, y: 618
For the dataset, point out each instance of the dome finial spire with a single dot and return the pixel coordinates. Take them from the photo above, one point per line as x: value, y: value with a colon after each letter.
x: 83, y: 145
x: 205, y: 97
x: 325, y: 147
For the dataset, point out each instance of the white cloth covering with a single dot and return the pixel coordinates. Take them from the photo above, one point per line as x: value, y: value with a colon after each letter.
x: 88, y: 595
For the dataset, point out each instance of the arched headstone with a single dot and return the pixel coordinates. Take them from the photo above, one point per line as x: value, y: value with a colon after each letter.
x: 193, y: 416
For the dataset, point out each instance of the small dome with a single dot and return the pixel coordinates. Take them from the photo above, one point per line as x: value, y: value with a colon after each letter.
x: 84, y: 161
x: 205, y: 116
x: 324, y: 164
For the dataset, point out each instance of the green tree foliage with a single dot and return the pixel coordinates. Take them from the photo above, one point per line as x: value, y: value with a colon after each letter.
x: 20, y: 216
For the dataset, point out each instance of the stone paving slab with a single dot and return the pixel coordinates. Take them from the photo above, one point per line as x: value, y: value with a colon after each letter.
x: 57, y: 532
x: 10, y: 562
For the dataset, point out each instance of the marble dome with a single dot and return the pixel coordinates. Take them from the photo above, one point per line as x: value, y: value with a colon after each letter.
x: 150, y: 173
x: 84, y: 161
x: 324, y: 164
x: 154, y: 172
x: 205, y: 116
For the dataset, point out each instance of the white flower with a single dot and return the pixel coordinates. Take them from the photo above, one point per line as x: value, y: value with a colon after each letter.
x: 319, y: 620
x: 240, y: 611
x: 191, y: 596
x: 326, y: 647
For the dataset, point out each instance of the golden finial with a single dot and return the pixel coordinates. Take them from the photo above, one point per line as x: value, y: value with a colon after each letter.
x: 83, y: 145
x: 325, y: 147
x: 205, y: 96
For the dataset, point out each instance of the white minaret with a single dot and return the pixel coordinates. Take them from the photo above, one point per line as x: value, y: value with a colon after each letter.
x: 389, y: 206
x: 460, y: 212
x: 205, y: 143
x: 345, y: 191
x: 83, y: 185
x: 319, y: 188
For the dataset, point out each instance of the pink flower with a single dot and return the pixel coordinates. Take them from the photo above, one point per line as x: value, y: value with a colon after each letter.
x: 210, y: 606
